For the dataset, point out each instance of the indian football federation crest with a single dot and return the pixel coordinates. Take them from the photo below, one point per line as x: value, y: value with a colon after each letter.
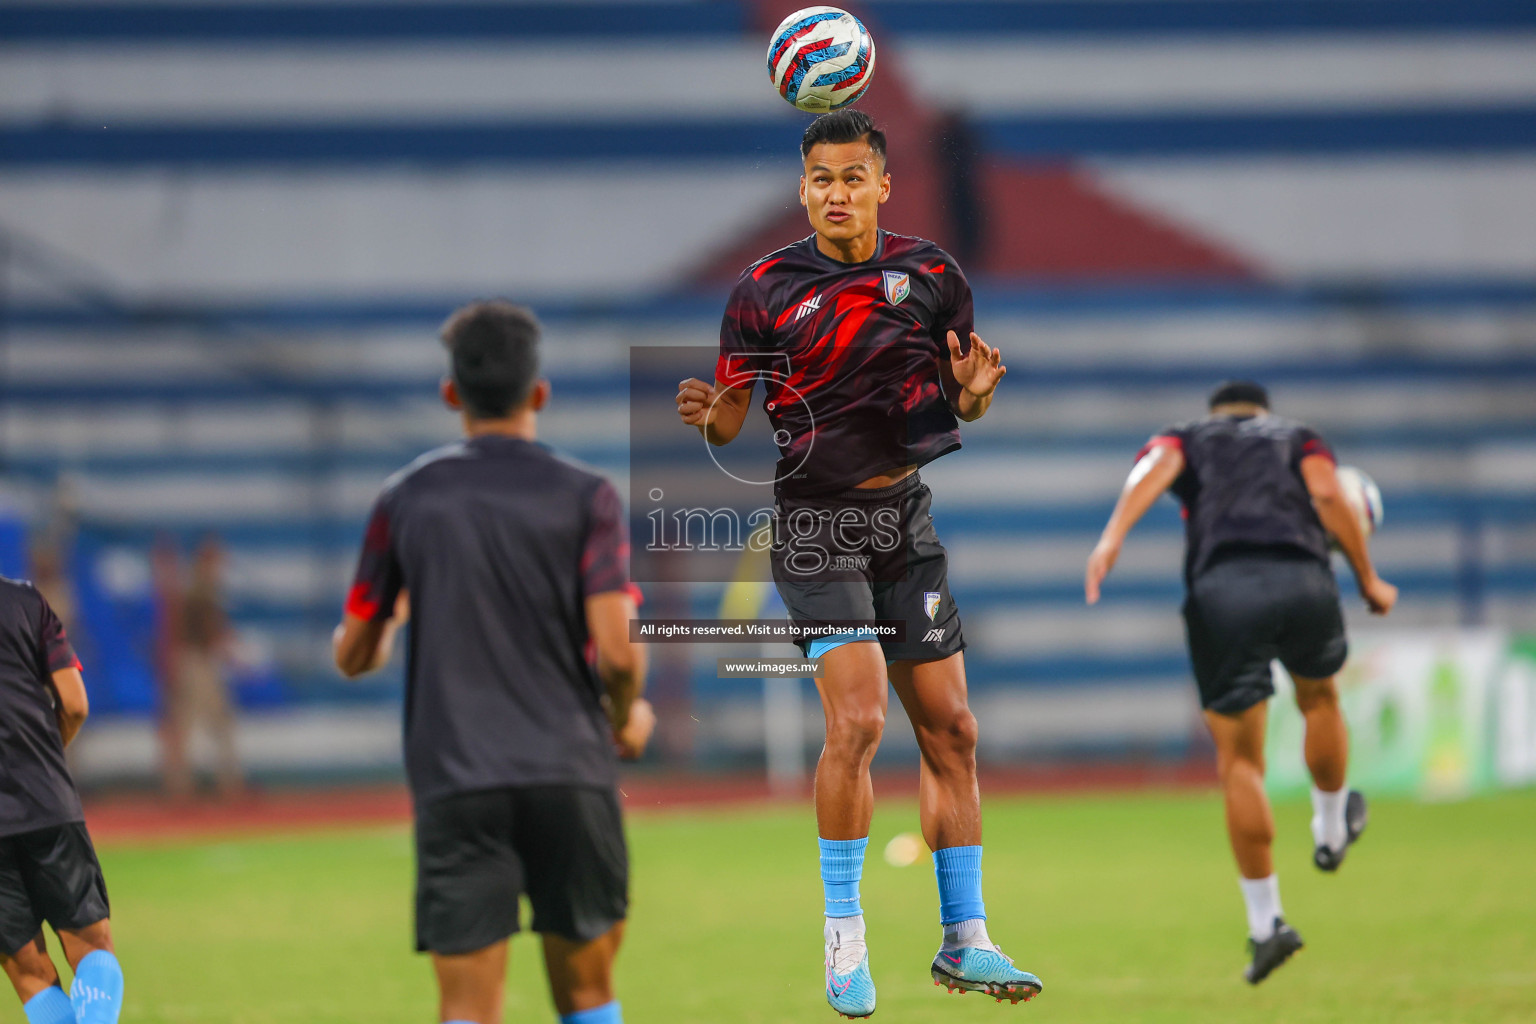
x: 897, y: 286
x: 930, y: 597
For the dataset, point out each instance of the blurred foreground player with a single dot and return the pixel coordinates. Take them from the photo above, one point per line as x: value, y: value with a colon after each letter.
x: 48, y: 867
x: 857, y: 334
x: 516, y: 566
x: 1260, y: 499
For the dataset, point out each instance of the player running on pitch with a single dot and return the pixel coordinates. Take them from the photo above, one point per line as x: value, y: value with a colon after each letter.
x: 1260, y: 498
x: 514, y: 561
x: 863, y: 339
x: 48, y: 867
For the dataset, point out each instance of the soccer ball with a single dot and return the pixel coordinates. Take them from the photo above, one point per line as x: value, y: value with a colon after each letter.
x: 821, y: 59
x: 1362, y: 496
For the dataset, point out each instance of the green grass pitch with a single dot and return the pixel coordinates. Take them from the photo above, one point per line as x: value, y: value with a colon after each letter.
x: 1126, y: 906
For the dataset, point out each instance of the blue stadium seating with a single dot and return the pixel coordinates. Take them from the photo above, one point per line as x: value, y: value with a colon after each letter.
x: 200, y: 334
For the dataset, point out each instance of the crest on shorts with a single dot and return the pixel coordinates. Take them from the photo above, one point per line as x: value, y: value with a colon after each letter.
x: 897, y: 286
x: 930, y: 603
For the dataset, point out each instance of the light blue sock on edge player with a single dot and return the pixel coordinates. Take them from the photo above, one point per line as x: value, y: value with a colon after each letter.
x: 842, y: 865
x: 97, y: 994
x: 50, y: 1006
x: 608, y: 1013
x: 958, y: 870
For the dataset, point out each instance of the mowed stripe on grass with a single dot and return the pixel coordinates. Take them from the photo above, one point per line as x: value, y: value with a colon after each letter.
x: 1126, y: 906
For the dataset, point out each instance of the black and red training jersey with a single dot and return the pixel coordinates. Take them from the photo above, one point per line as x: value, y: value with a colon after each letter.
x: 852, y: 356
x: 36, y: 790
x: 1242, y: 488
x: 499, y: 542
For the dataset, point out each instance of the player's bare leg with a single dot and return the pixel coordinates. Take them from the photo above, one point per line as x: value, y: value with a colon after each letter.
x: 854, y: 695
x: 471, y: 986
x: 853, y: 699
x: 949, y: 801
x: 1327, y: 742
x: 80, y: 943
x: 934, y: 696
x: 581, y: 976
x: 1251, y: 830
x: 1240, y: 766
x: 1338, y: 814
x: 30, y: 969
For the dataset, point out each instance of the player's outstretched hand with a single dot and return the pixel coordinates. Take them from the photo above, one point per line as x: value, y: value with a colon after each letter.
x: 1100, y: 561
x: 631, y: 739
x: 980, y: 369
x: 1379, y: 595
x: 696, y: 401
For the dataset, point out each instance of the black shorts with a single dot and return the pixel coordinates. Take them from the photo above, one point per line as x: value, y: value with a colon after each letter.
x: 476, y: 853
x: 867, y: 555
x: 1247, y: 610
x: 49, y: 875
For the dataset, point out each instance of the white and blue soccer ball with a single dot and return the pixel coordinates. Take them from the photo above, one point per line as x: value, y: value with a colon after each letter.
x: 821, y: 59
x: 1362, y: 496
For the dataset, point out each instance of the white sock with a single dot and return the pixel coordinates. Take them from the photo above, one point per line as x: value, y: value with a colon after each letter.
x: 967, y: 933
x: 1262, y: 895
x: 1328, y: 827
x: 844, y: 937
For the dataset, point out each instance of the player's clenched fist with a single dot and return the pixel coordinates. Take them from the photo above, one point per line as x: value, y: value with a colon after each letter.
x: 717, y: 412
x: 696, y: 401
x: 632, y: 737
x: 1379, y: 595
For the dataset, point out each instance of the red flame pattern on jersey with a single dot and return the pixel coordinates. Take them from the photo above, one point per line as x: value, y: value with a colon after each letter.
x: 858, y: 383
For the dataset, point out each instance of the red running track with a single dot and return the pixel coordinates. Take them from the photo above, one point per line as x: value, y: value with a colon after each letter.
x: 149, y: 819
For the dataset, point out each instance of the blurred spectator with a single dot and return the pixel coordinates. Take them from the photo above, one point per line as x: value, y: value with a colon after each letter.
x: 50, y: 553
x: 193, y: 648
x: 49, y: 572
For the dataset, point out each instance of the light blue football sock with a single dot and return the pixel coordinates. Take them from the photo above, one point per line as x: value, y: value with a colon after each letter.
x: 842, y: 865
x: 50, y: 1006
x: 958, y: 869
x: 608, y: 1013
x: 97, y: 994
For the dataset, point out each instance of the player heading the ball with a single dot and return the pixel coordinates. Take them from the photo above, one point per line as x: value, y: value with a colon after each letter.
x: 876, y: 328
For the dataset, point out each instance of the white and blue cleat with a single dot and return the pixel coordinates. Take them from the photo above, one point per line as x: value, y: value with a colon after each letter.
x: 850, y: 989
x: 975, y: 969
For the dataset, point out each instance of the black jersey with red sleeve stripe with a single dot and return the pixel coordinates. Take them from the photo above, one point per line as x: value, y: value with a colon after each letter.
x: 499, y: 542
x: 1242, y: 487
x: 35, y: 788
x: 852, y: 357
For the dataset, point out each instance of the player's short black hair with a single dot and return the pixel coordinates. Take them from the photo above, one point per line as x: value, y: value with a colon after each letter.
x: 1229, y: 391
x: 840, y: 126
x: 493, y: 356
